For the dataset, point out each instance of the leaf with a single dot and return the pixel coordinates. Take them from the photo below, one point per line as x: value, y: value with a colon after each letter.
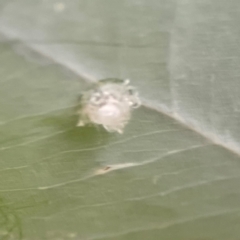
x: 173, y: 174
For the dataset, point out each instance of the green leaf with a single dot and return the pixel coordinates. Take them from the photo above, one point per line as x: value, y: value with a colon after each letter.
x: 173, y: 174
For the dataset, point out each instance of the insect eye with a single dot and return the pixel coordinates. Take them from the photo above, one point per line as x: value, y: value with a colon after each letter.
x: 133, y: 98
x: 131, y: 91
x: 96, y: 98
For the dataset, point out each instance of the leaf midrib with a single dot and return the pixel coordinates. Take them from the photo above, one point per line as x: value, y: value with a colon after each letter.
x: 231, y: 147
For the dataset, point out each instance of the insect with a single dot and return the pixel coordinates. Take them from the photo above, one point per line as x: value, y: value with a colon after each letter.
x: 108, y: 103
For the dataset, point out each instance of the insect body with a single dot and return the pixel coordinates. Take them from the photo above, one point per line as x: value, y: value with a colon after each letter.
x: 109, y: 103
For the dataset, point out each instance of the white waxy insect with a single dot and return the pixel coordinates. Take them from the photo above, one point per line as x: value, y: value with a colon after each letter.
x: 109, y: 103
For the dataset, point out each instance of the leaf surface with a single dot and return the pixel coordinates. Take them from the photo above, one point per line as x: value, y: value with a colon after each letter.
x: 173, y: 174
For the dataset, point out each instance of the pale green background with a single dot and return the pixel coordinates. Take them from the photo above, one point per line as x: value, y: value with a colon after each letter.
x: 179, y: 157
